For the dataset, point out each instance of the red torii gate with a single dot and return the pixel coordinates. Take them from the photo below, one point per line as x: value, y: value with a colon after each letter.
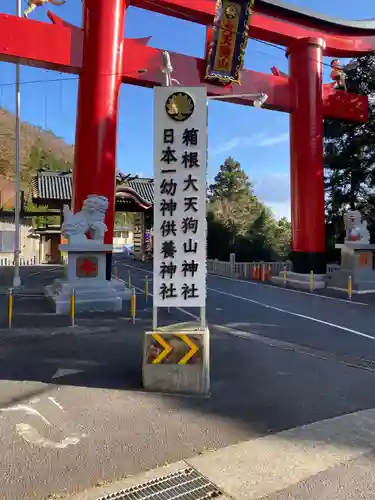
x: 103, y: 59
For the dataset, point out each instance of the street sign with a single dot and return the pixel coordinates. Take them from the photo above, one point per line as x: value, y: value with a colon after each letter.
x: 174, y: 348
x: 180, y: 171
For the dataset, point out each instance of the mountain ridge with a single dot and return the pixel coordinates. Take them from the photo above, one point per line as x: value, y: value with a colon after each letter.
x: 39, y: 149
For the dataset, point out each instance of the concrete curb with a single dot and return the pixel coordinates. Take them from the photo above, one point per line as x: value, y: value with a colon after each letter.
x: 260, y: 467
x: 101, y: 491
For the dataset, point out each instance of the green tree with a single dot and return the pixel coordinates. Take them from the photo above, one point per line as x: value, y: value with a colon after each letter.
x: 231, y: 197
x: 41, y: 159
x: 240, y: 223
x: 349, y: 151
x: 281, y: 237
x: 42, y: 220
x: 124, y: 219
x: 230, y: 182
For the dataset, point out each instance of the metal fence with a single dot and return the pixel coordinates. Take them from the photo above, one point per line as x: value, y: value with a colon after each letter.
x: 248, y: 270
x: 7, y: 261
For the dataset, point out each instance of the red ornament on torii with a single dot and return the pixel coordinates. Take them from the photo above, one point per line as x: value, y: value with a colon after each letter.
x: 103, y: 59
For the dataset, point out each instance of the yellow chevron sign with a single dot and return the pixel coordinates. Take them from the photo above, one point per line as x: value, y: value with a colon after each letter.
x: 193, y: 349
x: 163, y: 354
x: 167, y: 348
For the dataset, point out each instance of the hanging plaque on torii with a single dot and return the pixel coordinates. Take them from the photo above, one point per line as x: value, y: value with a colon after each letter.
x: 226, y: 41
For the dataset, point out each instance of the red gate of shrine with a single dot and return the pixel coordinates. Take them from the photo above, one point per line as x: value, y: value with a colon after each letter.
x: 103, y: 59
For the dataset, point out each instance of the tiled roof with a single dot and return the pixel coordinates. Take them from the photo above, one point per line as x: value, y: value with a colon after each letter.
x: 52, y: 186
x: 143, y: 187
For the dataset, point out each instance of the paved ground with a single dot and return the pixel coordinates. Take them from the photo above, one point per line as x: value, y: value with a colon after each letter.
x: 72, y: 412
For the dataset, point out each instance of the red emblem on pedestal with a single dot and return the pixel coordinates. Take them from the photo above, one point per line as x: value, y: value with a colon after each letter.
x: 87, y: 267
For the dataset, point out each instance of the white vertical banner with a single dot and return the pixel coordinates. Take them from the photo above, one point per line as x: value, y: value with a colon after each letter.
x: 180, y: 172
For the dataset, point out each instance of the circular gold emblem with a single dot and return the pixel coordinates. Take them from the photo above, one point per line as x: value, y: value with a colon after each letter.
x: 179, y: 106
x: 231, y: 12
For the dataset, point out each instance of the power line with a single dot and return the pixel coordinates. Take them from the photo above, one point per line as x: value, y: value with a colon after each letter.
x: 33, y: 82
x: 173, y: 11
x: 189, y: 18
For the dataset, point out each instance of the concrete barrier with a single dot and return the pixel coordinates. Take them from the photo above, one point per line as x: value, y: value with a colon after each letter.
x: 176, y: 359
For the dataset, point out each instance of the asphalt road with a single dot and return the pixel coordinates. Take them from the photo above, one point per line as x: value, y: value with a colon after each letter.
x: 73, y: 414
x: 327, y: 324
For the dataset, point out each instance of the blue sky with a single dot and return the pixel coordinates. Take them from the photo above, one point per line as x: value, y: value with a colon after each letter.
x: 256, y: 138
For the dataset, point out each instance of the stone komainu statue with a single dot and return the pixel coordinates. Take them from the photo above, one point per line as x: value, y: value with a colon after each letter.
x: 356, y: 228
x: 89, y: 220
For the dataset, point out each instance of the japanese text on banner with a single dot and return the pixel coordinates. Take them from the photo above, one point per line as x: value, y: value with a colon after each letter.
x: 180, y: 167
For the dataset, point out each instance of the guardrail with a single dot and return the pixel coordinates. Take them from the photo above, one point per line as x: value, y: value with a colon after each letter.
x: 245, y: 269
x: 235, y: 269
x: 7, y: 261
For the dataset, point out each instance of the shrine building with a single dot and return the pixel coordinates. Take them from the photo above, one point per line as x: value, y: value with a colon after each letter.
x: 54, y: 190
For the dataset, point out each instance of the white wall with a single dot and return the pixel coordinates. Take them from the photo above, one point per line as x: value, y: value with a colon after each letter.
x: 29, y: 243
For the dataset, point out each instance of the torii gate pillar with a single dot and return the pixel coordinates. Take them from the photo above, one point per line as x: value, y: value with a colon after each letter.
x: 306, y: 153
x: 99, y: 85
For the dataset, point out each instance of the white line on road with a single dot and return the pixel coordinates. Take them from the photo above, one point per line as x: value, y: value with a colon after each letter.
x: 265, y: 285
x: 267, y: 306
x: 63, y: 372
x: 32, y: 436
x: 184, y: 311
x: 301, y: 292
x: 56, y: 403
x: 291, y: 313
x: 28, y: 410
x: 44, y: 271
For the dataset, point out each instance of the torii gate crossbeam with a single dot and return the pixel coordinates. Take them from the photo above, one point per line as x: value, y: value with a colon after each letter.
x: 103, y: 60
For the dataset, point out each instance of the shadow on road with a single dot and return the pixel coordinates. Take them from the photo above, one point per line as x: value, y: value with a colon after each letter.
x: 263, y: 387
x: 260, y: 387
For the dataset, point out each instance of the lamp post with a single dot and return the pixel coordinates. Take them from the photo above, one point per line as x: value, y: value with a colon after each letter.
x: 259, y: 101
x: 16, y: 276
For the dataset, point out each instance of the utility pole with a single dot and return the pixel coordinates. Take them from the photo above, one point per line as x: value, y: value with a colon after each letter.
x: 17, y: 251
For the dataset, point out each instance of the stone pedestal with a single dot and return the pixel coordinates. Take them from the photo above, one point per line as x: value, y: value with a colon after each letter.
x: 357, y: 261
x: 86, y: 275
x: 300, y: 281
x: 176, y: 359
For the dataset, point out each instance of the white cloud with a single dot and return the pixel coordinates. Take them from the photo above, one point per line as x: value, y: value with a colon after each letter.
x: 274, y: 191
x: 257, y: 140
x: 280, y: 209
x: 272, y: 141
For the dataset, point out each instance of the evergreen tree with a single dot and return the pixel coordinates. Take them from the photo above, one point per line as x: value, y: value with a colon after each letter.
x: 231, y: 197
x: 231, y: 182
x: 349, y: 157
x: 240, y: 223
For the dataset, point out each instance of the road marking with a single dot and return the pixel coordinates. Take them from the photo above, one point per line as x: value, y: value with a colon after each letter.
x: 138, y: 268
x: 63, y: 372
x: 28, y: 410
x: 358, y: 292
x: 184, y: 311
x: 44, y: 271
x: 32, y: 436
x: 291, y: 313
x: 265, y: 285
x: 56, y: 403
x: 285, y: 311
